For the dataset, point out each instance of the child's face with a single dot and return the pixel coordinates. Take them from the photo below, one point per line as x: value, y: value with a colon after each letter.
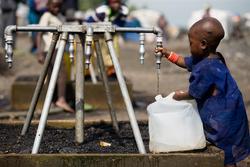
x: 55, y: 6
x: 195, y: 44
x: 115, y: 5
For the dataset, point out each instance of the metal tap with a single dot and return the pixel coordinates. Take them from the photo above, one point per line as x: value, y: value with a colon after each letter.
x: 142, y: 49
x: 8, y: 35
x: 9, y: 50
x: 71, y: 48
x: 158, y: 55
x: 89, y: 38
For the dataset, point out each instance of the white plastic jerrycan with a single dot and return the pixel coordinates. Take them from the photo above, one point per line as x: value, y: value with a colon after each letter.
x: 174, y: 125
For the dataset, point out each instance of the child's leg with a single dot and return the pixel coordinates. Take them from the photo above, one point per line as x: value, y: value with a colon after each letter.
x: 61, y: 85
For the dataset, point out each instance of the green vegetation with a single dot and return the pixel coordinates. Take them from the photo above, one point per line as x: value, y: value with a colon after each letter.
x: 87, y: 4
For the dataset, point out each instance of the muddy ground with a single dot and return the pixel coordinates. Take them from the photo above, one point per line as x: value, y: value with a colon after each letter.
x: 62, y: 140
x: 143, y: 77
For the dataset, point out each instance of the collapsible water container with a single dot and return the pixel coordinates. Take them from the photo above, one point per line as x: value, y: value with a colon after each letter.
x: 174, y: 125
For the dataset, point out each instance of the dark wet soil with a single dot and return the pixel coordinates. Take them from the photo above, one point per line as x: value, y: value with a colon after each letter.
x: 62, y: 140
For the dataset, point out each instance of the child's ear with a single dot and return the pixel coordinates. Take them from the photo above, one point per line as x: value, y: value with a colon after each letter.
x: 204, y: 44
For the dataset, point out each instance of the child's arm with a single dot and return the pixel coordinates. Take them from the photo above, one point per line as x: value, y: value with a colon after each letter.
x: 44, y: 21
x: 172, y: 57
x: 40, y: 55
x: 182, y: 95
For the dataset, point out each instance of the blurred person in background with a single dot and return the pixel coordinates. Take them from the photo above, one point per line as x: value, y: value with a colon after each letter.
x: 153, y: 18
x: 8, y: 10
x: 53, y: 17
x: 7, y: 16
x: 113, y: 11
x: 207, y: 11
x: 238, y: 24
x: 69, y: 6
x: 36, y: 10
x: 163, y: 24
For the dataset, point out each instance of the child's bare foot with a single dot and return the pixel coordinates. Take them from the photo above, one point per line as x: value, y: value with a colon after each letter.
x: 61, y: 102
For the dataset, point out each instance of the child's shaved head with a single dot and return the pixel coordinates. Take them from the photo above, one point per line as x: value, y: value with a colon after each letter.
x: 209, y: 30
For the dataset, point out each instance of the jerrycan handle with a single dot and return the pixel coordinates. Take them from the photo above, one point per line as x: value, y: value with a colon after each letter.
x: 158, y: 97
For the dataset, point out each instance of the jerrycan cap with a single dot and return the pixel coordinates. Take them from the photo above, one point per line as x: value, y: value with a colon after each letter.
x: 158, y: 97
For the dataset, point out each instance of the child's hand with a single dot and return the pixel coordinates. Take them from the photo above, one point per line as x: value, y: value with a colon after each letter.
x: 178, y: 95
x: 182, y: 95
x: 164, y: 51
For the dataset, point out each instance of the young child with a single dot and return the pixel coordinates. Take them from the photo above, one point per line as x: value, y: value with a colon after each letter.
x: 219, y: 100
x: 51, y: 17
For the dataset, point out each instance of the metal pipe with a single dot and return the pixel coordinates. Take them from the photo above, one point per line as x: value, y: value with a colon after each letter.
x: 142, y: 49
x: 79, y: 91
x: 9, y: 30
x: 40, y: 82
x: 88, y: 28
x: 137, y: 30
x: 92, y: 74
x: 37, y: 28
x: 97, y: 28
x: 106, y: 85
x: 125, y: 94
x: 89, y: 38
x: 49, y: 94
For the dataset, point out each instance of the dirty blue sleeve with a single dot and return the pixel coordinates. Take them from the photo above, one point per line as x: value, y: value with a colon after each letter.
x: 188, y: 62
x: 201, y: 80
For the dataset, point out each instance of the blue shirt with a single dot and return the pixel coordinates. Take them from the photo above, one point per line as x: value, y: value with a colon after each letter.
x: 223, y: 115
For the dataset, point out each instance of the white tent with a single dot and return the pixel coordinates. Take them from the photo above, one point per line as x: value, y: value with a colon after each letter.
x: 247, y: 17
x: 148, y: 18
x: 223, y: 16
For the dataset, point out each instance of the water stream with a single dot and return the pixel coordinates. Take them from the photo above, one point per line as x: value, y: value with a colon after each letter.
x: 158, y: 80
